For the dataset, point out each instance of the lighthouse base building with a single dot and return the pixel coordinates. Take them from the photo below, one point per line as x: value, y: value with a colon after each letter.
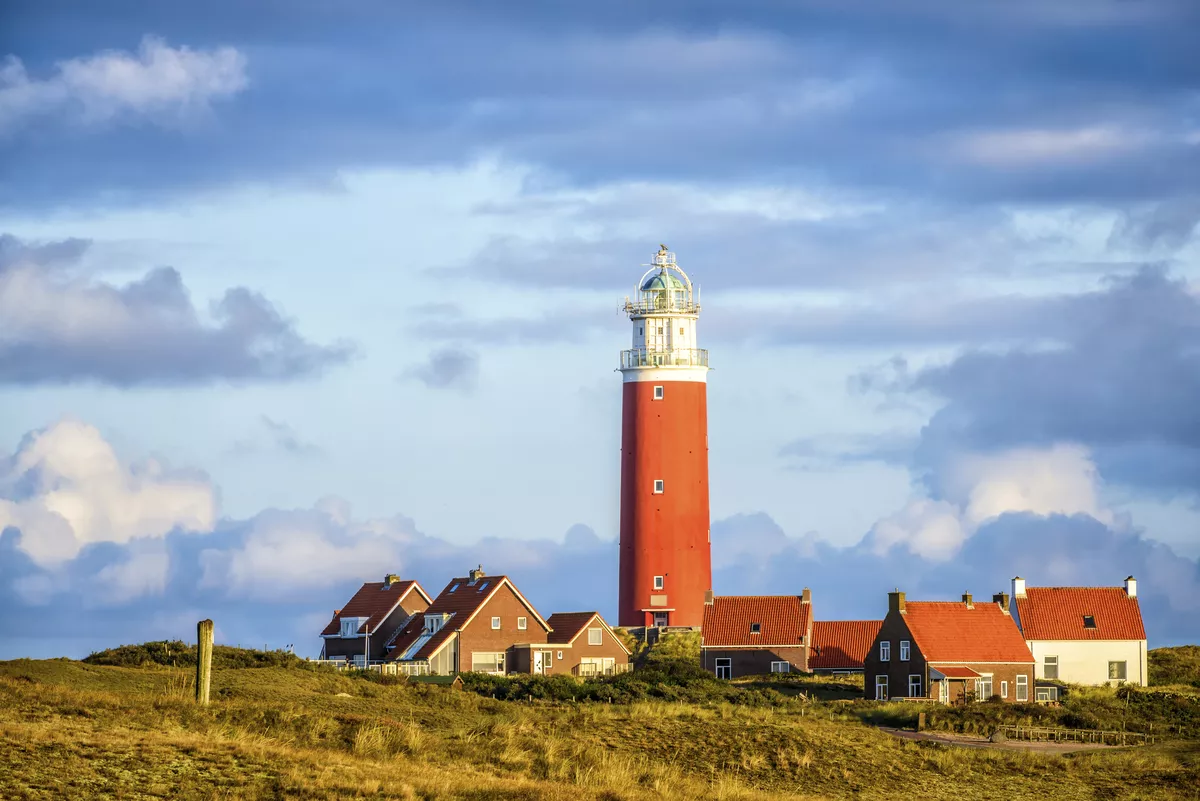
x: 666, y: 566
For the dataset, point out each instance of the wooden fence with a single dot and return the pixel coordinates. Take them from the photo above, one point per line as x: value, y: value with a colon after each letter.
x: 1048, y: 734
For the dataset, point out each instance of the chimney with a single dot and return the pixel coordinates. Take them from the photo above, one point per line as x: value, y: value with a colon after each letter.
x: 806, y: 596
x: 968, y: 600
x: 1002, y: 599
x: 708, y: 597
x: 896, y: 602
x: 1131, y: 587
x: 389, y: 580
x: 1018, y: 587
x: 476, y: 574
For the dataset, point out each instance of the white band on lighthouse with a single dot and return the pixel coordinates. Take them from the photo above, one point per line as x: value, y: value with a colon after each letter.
x: 664, y: 311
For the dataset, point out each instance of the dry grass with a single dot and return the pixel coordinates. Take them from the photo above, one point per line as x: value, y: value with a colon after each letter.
x: 71, y: 730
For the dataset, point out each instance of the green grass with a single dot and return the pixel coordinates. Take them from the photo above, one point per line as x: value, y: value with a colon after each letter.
x: 1178, y: 666
x: 70, y: 729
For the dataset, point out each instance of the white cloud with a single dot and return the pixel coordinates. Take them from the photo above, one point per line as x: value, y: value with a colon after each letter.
x: 1034, y: 146
x: 978, y: 488
x: 161, y: 83
x: 65, y: 488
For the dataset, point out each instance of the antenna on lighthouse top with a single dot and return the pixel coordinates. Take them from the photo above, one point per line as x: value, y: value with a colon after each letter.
x: 664, y: 257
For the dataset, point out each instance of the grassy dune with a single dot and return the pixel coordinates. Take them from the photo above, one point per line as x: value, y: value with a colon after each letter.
x: 69, y: 729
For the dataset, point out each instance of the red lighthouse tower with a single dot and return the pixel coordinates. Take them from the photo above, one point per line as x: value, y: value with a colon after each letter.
x: 666, y: 565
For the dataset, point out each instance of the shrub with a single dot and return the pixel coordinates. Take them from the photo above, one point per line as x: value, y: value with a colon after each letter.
x: 176, y: 653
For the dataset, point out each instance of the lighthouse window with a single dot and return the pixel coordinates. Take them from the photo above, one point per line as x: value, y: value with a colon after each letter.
x: 660, y: 328
x: 658, y: 393
x: 641, y: 331
x: 681, y: 331
x: 658, y: 486
x: 658, y: 582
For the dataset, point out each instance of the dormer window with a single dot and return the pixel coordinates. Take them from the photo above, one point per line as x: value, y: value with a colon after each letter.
x: 756, y: 628
x: 434, y: 623
x: 482, y: 587
x: 350, y: 627
x: 453, y: 587
x: 1089, y: 622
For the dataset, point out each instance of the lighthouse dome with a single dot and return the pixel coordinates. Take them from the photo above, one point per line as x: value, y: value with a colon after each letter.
x: 663, y: 280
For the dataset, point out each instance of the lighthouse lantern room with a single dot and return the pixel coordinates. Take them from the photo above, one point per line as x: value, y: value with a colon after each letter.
x: 666, y: 567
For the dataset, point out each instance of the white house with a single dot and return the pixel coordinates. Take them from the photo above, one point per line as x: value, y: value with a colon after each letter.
x: 1082, y: 635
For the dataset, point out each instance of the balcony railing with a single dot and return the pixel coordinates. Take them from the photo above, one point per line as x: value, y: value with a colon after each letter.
x: 680, y: 357
x: 660, y: 305
x: 589, y: 671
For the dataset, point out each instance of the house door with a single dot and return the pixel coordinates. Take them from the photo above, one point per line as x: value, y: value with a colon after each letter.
x: 725, y: 668
x: 944, y: 691
x: 660, y: 619
x: 537, y: 661
x: 881, y: 688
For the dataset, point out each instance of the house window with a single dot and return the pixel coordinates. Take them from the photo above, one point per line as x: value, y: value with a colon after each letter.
x: 983, y: 688
x: 904, y: 650
x: 1116, y: 671
x: 487, y: 662
x: 521, y: 623
x: 433, y: 623
x: 724, y: 668
x: 1089, y: 622
x: 914, y: 685
x: 658, y: 393
x: 1047, y: 694
x: 660, y: 329
x: 548, y: 659
x: 881, y: 691
x: 496, y: 623
x: 360, y: 661
x: 885, y: 651
x: 1050, y: 667
x: 350, y: 627
x: 658, y: 582
x: 1004, y: 689
x: 453, y: 587
x: 560, y: 656
x: 756, y: 628
x: 658, y: 486
x: 595, y: 636
x: 482, y: 587
x: 944, y: 691
x: 1022, y: 688
x: 781, y: 667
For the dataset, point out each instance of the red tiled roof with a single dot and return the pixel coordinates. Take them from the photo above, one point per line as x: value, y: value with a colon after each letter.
x: 947, y: 631
x: 373, y: 602
x: 842, y: 643
x: 782, y: 619
x: 569, y: 625
x: 460, y: 599
x: 1056, y: 613
x: 957, y: 672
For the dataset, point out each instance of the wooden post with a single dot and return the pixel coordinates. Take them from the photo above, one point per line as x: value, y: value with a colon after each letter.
x: 204, y: 645
x: 920, y: 721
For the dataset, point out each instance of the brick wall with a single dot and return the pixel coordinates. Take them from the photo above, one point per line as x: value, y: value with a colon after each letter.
x: 755, y: 661
x: 480, y: 636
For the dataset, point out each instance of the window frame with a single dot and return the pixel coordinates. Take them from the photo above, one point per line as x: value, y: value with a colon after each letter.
x: 881, y: 684
x: 495, y: 622
x: 1022, y: 685
x: 781, y: 667
x: 660, y: 392
x: 905, y: 650
x: 547, y: 660
x: 885, y: 651
x: 349, y: 628
x: 723, y: 663
x: 1004, y: 690
x: 980, y: 683
x: 917, y: 680
x: 1046, y: 665
x: 660, y: 582
x: 596, y: 633
x: 660, y: 486
x: 522, y: 623
x: 756, y: 628
x: 1124, y: 665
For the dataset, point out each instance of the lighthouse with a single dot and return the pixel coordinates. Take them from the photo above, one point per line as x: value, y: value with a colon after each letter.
x: 666, y: 565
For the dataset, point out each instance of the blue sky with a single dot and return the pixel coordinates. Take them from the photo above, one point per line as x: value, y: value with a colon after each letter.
x: 293, y: 295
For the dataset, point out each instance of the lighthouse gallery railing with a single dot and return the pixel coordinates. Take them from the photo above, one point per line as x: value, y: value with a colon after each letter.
x: 679, y: 357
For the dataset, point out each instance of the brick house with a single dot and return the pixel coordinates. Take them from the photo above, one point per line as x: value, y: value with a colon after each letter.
x: 950, y: 651
x: 475, y: 623
x: 1082, y: 635
x: 840, y: 646
x: 360, y: 630
x: 580, y: 644
x: 747, y: 635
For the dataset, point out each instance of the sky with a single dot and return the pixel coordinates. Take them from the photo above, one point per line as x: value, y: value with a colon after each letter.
x: 294, y: 295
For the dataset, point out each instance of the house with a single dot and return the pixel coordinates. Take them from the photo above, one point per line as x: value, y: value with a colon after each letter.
x: 1082, y: 635
x: 360, y: 630
x: 474, y: 624
x: 950, y: 651
x: 840, y: 646
x: 580, y: 644
x: 746, y: 635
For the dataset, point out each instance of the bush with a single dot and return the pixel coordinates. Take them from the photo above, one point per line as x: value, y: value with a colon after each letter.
x: 176, y: 653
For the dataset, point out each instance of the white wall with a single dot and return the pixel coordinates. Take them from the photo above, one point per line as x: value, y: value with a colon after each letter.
x: 1086, y: 661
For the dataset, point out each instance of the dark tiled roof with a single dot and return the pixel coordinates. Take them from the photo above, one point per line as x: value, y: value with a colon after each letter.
x: 949, y: 631
x: 460, y: 600
x: 782, y: 620
x: 373, y: 602
x: 842, y: 643
x: 1056, y: 613
x: 567, y: 625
